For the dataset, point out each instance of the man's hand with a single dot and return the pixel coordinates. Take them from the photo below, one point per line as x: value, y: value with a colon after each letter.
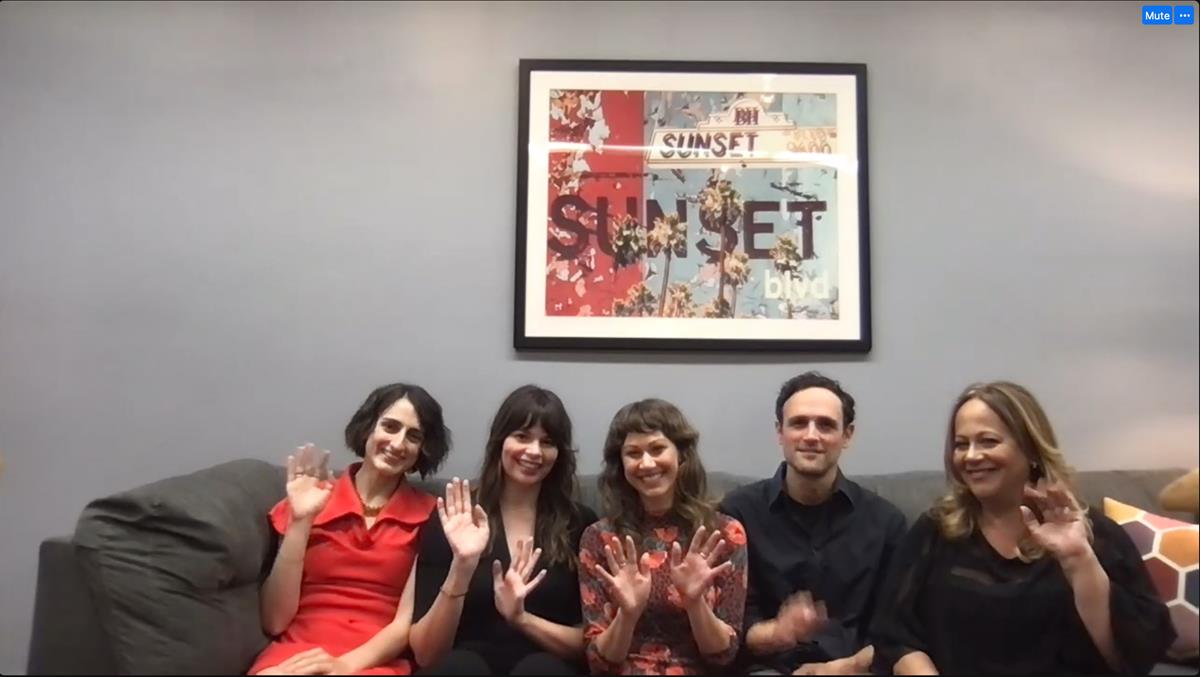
x: 798, y: 619
x: 858, y: 664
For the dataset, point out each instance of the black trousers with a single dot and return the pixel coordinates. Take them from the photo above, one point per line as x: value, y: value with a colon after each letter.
x: 467, y: 662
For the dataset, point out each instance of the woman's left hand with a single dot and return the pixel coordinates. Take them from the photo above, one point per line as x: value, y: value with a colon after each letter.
x: 313, y: 662
x: 514, y: 586
x: 694, y: 572
x: 1061, y: 531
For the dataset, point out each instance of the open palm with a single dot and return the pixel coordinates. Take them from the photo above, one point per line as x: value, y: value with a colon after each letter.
x: 466, y: 527
x: 513, y: 586
x: 1061, y: 531
x: 692, y: 573
x: 308, y: 485
x: 628, y: 576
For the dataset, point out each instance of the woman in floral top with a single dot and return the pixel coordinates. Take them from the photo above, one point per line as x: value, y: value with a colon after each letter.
x: 675, y: 608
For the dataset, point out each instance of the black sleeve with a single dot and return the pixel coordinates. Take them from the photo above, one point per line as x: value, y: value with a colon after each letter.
x: 897, y: 629
x: 895, y: 527
x: 731, y: 506
x: 1141, y: 623
x: 433, y: 564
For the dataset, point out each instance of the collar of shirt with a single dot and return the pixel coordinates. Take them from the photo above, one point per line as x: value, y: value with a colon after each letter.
x: 777, y: 488
x: 406, y: 505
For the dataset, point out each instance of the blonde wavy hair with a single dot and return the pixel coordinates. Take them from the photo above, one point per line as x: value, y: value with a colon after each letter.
x: 957, y: 513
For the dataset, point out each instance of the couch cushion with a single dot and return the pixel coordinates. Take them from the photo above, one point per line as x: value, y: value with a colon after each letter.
x: 912, y: 492
x: 174, y: 567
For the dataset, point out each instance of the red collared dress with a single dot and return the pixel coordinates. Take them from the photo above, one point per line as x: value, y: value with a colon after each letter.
x: 353, y: 576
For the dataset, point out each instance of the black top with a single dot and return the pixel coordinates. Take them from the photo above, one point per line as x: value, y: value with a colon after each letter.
x: 481, y: 628
x: 974, y: 611
x: 838, y: 551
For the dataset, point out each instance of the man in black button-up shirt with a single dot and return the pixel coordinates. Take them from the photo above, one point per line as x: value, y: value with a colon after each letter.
x: 818, y: 543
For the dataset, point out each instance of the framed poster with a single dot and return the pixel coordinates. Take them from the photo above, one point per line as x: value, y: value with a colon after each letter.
x: 692, y: 206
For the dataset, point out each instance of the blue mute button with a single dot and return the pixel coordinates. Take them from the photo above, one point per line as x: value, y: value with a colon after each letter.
x: 1157, y: 15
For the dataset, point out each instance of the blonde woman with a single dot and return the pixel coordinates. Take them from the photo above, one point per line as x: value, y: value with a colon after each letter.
x: 1010, y: 573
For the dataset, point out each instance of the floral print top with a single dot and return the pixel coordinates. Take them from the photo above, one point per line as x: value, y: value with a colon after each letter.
x: 663, y: 643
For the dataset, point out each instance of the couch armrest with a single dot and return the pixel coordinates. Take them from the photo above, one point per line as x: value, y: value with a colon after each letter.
x: 67, y: 637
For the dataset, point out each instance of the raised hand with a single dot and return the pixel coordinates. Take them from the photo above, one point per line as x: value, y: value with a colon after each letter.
x: 798, y: 618
x: 308, y: 485
x: 1061, y: 531
x: 513, y: 586
x: 692, y: 573
x: 628, y: 576
x: 466, y: 527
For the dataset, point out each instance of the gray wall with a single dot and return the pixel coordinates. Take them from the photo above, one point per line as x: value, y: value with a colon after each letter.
x: 224, y: 223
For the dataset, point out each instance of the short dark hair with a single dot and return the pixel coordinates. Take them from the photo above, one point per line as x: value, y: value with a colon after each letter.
x: 436, y: 443
x: 813, y: 379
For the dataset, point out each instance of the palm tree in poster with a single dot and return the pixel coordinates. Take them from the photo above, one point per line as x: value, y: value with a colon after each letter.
x: 628, y: 242
x: 639, y: 302
x: 735, y: 274
x: 720, y: 208
x: 668, y: 237
x: 718, y: 307
x: 786, y: 257
x: 679, y: 301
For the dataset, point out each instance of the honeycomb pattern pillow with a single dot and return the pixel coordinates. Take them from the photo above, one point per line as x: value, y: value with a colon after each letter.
x: 1171, y: 550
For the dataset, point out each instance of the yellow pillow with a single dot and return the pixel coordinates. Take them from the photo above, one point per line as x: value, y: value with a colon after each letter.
x: 1182, y: 495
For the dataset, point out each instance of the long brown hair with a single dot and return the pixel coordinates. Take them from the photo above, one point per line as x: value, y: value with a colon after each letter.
x: 957, y: 513
x: 622, y: 504
x: 524, y: 408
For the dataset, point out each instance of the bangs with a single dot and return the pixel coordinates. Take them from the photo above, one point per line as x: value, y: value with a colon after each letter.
x: 528, y: 409
x: 650, y: 416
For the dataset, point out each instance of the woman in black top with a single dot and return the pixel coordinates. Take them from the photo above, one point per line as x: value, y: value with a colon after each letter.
x: 1009, y: 573
x: 482, y: 605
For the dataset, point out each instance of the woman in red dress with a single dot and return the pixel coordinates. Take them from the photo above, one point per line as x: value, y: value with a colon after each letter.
x: 339, y: 597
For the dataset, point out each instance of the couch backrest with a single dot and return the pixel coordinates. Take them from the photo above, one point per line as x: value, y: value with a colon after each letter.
x: 914, y: 491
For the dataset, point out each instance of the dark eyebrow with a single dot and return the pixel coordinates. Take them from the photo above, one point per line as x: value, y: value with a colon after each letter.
x: 389, y: 419
x: 819, y: 419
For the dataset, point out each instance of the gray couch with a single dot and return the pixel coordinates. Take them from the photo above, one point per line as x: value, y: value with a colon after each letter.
x: 164, y: 578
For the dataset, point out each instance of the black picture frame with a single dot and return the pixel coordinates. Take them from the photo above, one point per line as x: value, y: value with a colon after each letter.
x: 806, y: 121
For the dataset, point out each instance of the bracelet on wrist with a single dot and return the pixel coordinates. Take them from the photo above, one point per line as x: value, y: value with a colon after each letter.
x: 452, y: 596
